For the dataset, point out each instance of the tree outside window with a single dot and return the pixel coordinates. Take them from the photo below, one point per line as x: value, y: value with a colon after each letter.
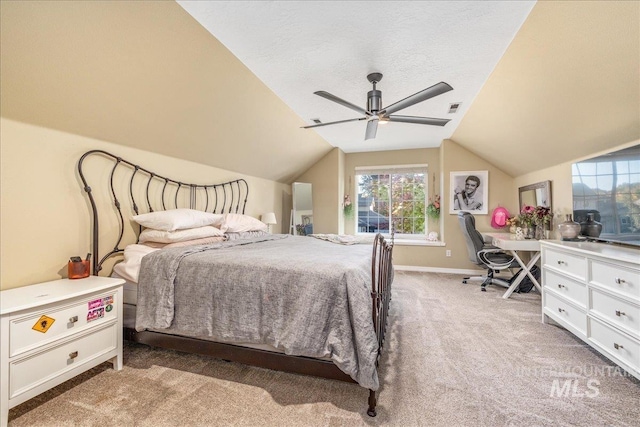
x: 395, y: 197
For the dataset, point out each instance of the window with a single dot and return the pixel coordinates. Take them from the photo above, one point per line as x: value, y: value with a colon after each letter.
x: 392, y: 195
x: 610, y: 187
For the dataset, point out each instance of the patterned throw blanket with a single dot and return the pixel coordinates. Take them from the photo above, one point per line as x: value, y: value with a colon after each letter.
x: 304, y: 296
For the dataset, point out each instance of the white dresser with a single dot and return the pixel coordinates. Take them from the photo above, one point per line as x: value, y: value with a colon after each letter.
x: 593, y: 290
x: 53, y: 331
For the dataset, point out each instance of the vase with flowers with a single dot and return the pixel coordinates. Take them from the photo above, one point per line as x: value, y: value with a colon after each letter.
x: 526, y: 219
x: 542, y: 217
x: 513, y: 223
x: 433, y: 208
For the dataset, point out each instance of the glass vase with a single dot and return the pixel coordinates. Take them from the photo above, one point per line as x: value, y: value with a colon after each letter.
x: 529, y: 232
x: 541, y: 232
x: 569, y: 230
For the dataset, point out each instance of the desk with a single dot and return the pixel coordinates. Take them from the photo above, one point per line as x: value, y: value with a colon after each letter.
x: 509, y: 243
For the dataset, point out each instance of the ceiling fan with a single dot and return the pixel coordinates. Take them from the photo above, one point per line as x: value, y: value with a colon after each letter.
x: 375, y: 113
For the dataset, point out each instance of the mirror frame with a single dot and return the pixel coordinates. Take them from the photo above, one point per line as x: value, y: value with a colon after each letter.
x: 546, y: 185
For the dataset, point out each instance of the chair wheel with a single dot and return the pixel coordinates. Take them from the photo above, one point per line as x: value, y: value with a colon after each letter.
x: 483, y: 289
x: 464, y: 281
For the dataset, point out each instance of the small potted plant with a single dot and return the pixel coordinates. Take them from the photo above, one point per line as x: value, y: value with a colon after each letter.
x: 433, y: 208
x: 347, y: 207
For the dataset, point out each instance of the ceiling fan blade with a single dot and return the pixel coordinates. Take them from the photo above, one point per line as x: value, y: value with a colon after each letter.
x: 419, y: 120
x: 430, y: 92
x: 372, y: 129
x: 333, y: 123
x: 342, y: 102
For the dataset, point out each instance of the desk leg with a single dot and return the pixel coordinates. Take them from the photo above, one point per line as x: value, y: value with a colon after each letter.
x: 526, y: 271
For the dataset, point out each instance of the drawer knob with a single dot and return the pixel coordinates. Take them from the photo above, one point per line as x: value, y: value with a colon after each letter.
x: 73, y: 355
x: 617, y: 346
x: 560, y: 310
x: 73, y: 319
x: 560, y: 285
x: 619, y: 313
x: 619, y: 281
x: 560, y: 262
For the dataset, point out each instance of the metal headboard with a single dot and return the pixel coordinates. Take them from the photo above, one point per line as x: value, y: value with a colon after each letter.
x: 227, y: 197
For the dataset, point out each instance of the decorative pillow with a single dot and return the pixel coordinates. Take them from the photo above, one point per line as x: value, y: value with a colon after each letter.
x: 245, y: 235
x: 178, y: 219
x: 236, y: 223
x: 161, y: 236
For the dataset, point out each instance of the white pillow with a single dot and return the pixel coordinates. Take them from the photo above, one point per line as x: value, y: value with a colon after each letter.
x: 236, y: 223
x: 178, y: 219
x: 161, y: 236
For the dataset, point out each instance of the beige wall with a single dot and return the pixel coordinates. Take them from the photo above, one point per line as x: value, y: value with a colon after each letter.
x: 325, y: 178
x: 146, y: 75
x: 450, y: 157
x: 44, y: 213
x: 561, y: 185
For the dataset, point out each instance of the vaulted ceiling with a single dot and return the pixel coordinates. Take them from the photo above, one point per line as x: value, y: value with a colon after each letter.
x: 148, y: 75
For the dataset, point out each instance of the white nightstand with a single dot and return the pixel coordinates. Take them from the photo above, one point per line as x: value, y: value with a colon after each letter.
x: 53, y: 331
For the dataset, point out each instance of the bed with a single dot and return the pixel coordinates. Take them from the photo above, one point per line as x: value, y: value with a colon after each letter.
x: 291, y: 303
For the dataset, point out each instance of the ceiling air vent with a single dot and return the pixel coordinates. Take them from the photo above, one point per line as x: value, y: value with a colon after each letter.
x: 316, y: 121
x: 453, y: 108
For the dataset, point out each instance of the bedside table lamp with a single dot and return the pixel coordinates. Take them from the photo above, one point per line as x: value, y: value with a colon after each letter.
x: 269, y: 219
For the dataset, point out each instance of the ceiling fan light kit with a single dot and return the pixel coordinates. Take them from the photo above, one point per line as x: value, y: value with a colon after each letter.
x: 375, y: 114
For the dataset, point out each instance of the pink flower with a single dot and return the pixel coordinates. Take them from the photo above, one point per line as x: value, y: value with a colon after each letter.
x: 527, y: 209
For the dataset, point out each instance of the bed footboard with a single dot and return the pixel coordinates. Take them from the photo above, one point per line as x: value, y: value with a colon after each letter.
x: 381, y: 278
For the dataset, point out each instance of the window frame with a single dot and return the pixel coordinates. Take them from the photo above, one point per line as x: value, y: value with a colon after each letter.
x: 391, y: 170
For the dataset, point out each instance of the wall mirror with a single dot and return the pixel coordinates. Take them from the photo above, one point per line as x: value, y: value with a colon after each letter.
x: 538, y: 194
x: 302, y: 213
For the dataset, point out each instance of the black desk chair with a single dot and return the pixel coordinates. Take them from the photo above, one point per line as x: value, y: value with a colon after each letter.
x: 493, y: 259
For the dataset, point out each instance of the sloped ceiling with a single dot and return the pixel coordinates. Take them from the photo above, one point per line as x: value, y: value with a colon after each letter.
x: 146, y: 75
x: 568, y: 86
x: 299, y: 47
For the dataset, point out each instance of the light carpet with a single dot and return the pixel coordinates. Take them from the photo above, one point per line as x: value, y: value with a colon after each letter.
x: 454, y: 356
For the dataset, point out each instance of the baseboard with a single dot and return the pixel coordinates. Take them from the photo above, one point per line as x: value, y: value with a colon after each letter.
x: 440, y: 270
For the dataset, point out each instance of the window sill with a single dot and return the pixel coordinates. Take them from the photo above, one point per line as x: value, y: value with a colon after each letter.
x: 417, y: 242
x: 409, y: 241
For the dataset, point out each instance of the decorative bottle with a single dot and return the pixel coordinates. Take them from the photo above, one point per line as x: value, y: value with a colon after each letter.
x: 569, y: 229
x: 590, y: 227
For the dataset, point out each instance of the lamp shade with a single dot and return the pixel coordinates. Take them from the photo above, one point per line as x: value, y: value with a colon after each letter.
x: 269, y: 218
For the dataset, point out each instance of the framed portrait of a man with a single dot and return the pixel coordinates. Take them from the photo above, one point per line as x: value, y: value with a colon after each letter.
x: 469, y: 192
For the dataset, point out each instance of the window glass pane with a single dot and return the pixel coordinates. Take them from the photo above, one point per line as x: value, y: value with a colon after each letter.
x: 396, y: 198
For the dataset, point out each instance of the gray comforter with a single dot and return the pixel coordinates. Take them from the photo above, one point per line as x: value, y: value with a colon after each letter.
x: 305, y: 296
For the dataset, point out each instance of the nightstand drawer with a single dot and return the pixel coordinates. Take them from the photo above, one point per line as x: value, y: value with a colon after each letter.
x: 573, y: 265
x: 565, y: 314
x: 29, y: 331
x: 616, y: 278
x: 621, y: 313
x: 621, y: 347
x: 568, y: 288
x: 31, y: 371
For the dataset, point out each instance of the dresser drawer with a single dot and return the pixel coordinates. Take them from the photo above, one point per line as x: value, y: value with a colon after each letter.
x: 31, y: 371
x: 28, y: 331
x: 619, y: 279
x: 568, y: 288
x: 615, y: 310
x: 565, y: 314
x: 615, y: 344
x: 573, y: 265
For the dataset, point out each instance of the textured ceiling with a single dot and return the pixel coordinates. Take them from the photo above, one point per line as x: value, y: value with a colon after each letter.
x: 297, y: 48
